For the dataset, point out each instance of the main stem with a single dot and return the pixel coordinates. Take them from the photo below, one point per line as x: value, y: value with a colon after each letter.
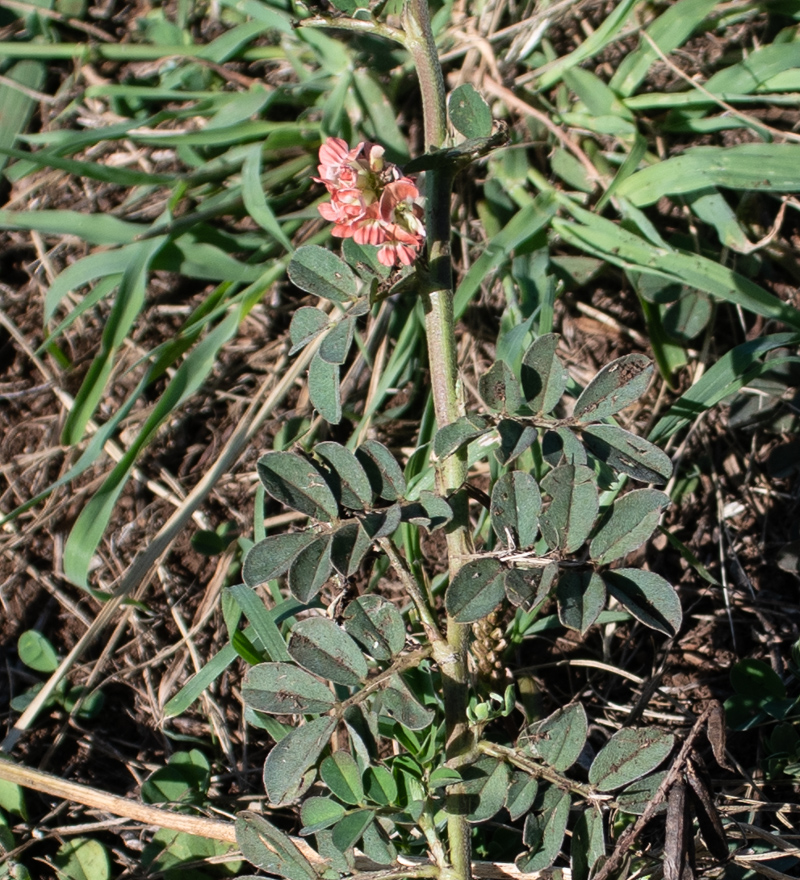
x: 452, y: 472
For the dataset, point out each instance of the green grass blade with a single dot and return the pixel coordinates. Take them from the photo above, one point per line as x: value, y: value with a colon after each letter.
x: 263, y: 622
x: 16, y: 107
x: 765, y: 167
x: 730, y: 373
x: 100, y: 229
x: 256, y: 202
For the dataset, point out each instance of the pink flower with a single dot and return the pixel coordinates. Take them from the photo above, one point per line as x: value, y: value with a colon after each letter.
x: 371, y: 201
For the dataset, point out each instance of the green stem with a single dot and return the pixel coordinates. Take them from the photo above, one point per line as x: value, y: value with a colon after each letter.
x: 452, y: 472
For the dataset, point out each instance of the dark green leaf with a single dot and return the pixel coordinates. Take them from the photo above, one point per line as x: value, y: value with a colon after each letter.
x: 377, y: 625
x: 476, y: 590
x: 521, y: 794
x: 485, y: 786
x: 630, y: 754
x: 307, y: 324
x: 452, y: 437
x: 347, y: 478
x: 689, y: 316
x: 272, y: 557
x: 319, y: 271
x: 628, y: 454
x: 318, y: 813
x: 515, y: 438
x: 469, y: 113
x: 569, y: 519
x: 283, y: 689
x: 380, y: 786
x: 581, y: 597
x: 289, y: 768
x: 347, y: 831
x: 310, y: 569
x: 377, y: 846
x: 561, y: 445
x: 636, y: 798
x: 647, y: 596
x: 295, y: 482
x: 500, y: 389
x: 543, y: 376
x: 559, y: 739
x: 79, y: 859
x: 404, y: 706
x: 754, y: 678
x: 588, y: 843
x: 529, y: 587
x: 616, y: 386
x: 633, y: 520
x: 322, y: 647
x: 544, y: 830
x: 515, y: 508
x: 349, y: 546
x: 383, y: 471
x: 323, y: 389
x: 442, y: 777
x: 382, y: 523
x: 335, y: 346
x: 431, y: 511
x: 340, y: 773
x: 264, y: 846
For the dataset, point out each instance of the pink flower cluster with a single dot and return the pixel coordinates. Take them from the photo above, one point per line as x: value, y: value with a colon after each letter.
x: 371, y: 201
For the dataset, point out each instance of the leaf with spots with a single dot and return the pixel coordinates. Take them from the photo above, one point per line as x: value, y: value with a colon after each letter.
x: 617, y: 385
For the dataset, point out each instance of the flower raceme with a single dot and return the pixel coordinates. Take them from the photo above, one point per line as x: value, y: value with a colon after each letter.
x: 371, y: 201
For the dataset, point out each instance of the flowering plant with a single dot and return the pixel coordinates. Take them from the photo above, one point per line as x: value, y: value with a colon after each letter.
x: 371, y: 200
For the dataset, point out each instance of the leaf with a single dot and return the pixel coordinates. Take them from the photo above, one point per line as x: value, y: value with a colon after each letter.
x: 515, y: 507
x: 296, y: 482
x: 485, y: 786
x: 283, y: 689
x: 319, y: 271
x: 322, y: 647
x: 521, y: 794
x: 336, y: 344
x: 754, y: 166
x: 648, y: 597
x: 349, y: 546
x: 442, y: 777
x: 529, y: 587
x: 347, y: 478
x: 310, y: 569
x: 617, y: 385
x: 636, y: 798
x: 36, y: 652
x: 452, y: 437
x: 634, y: 518
x: 515, y: 438
x: 264, y: 846
x: 469, y: 113
x: 318, y: 813
x: 17, y: 104
x: 273, y: 556
x: 558, y: 739
x: 630, y: 754
x: 323, y: 389
x: 382, y: 469
x: 628, y: 454
x: 404, y: 707
x: 500, y: 389
x: 288, y: 770
x: 264, y: 621
x: 544, y: 377
x: 431, y: 511
x: 184, y: 779
x: 568, y: 520
x: 561, y: 445
x: 581, y: 597
x: 348, y: 830
x: 340, y: 773
x: 377, y: 846
x: 588, y: 843
x: 476, y: 589
x: 380, y: 786
x: 544, y: 830
x: 688, y: 316
x: 307, y: 324
x: 377, y: 625
x: 756, y: 679
x: 83, y: 859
